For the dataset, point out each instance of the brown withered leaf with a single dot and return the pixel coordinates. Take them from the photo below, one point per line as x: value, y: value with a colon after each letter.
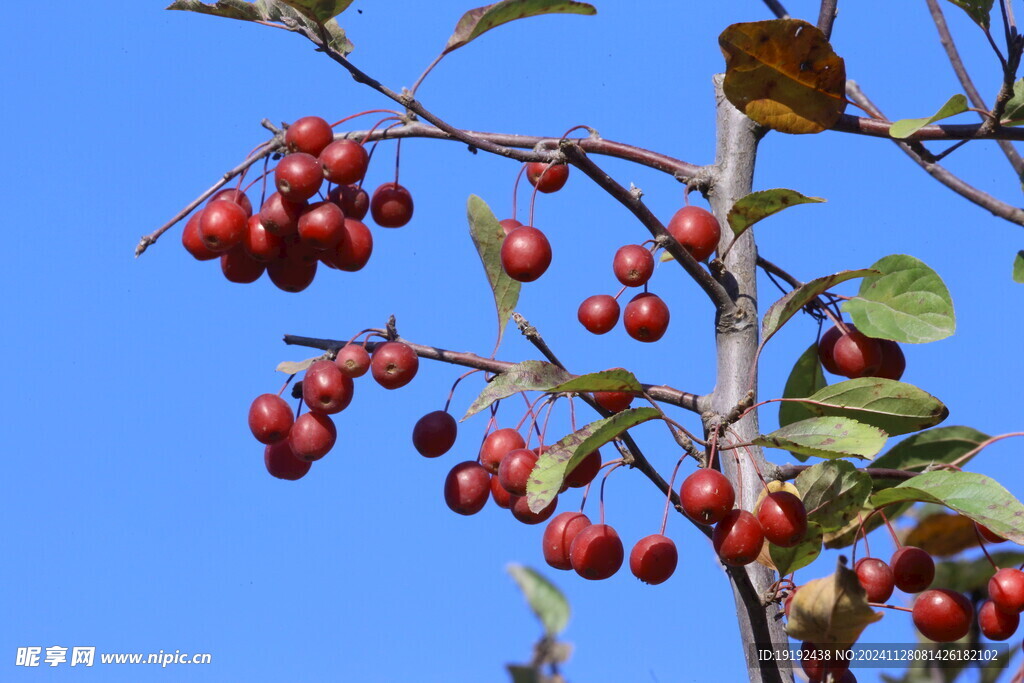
x: 832, y: 610
x: 943, y: 535
x: 784, y: 74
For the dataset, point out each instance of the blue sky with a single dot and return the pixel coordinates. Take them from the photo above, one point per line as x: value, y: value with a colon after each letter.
x: 137, y: 514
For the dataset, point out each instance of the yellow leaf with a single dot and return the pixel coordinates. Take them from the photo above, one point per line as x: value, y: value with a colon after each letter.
x: 832, y: 610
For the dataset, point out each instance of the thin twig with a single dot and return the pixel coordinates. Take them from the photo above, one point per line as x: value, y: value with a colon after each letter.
x: 827, y: 17
x: 859, y: 125
x: 777, y: 9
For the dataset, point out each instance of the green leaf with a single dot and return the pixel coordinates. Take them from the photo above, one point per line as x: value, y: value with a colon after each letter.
x: 487, y: 236
x: 757, y: 205
x: 834, y: 493
x: 616, y: 379
x: 476, y: 22
x: 295, y: 367
x: 805, y: 378
x: 338, y: 41
x: 977, y: 10
x: 521, y: 673
x: 232, y: 9
x: 785, y: 308
x: 788, y: 560
x: 1018, y: 267
x: 827, y: 437
x: 935, y: 446
x: 319, y: 10
x: 971, y: 494
x: 1013, y: 115
x: 904, y: 128
x: 546, y: 601
x: 907, y: 303
x: 895, y: 407
x: 530, y: 375
x: 969, y: 576
x: 564, y: 455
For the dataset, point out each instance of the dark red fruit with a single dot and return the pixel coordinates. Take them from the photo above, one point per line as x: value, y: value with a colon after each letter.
x: 292, y: 272
x: 653, y: 559
x: 394, y: 364
x: 520, y: 507
x: 912, y: 569
x: 497, y: 445
x: 596, y: 553
x: 298, y: 176
x: 351, y: 199
x: 988, y: 534
x: 233, y: 195
x: 223, y: 225
x: 192, y: 239
x: 826, y: 344
x: 525, y: 254
x: 613, y: 401
x: 270, y: 418
x: 514, y: 470
x: 509, y: 224
x: 344, y: 162
x: 322, y: 226
x: 547, y: 177
x: 239, y: 267
x: 584, y: 472
x: 326, y: 389
x: 707, y: 496
x: 893, y: 361
x: 391, y: 206
x: 598, y: 313
x: 281, y: 216
x: 697, y: 230
x: 1006, y: 588
x: 282, y: 463
x: 783, y: 519
x: 738, y: 538
x: 857, y: 355
x: 353, y: 360
x: 434, y: 434
x: 633, y: 265
x: 876, y: 577
x: 502, y: 498
x: 558, y: 537
x: 995, y: 623
x: 819, y: 660
x: 354, y: 249
x: 310, y: 134
x: 467, y: 488
x: 312, y: 436
x: 646, y: 317
x: 943, y: 615
x: 261, y: 244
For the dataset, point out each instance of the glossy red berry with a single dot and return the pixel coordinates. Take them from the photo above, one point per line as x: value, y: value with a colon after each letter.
x: 326, y: 389
x: 261, y: 244
x: 893, y: 361
x: 653, y: 559
x: 547, y: 177
x: 434, y: 434
x: 282, y: 462
x: 826, y: 344
x: 646, y: 317
x: 298, y: 176
x: 783, y: 519
x: 281, y: 216
x: 310, y: 134
x: 312, y: 436
x: 502, y: 498
x: 391, y: 206
x: 738, y: 538
x: 354, y: 249
x: 270, y: 418
x: 857, y: 355
x: 707, y: 496
x: 344, y: 162
x: 995, y: 623
x: 351, y: 199
x: 598, y: 313
x: 233, y: 195
x: 514, y: 470
x: 223, y: 225
x: 633, y: 265
x: 988, y: 534
x: 525, y: 254
x: 596, y: 553
x: 353, y: 360
x: 943, y: 615
x: 394, y: 364
x: 497, y: 445
x: 467, y: 488
x: 192, y: 239
x: 876, y: 577
x: 697, y: 230
x: 509, y: 224
x: 584, y: 472
x: 322, y: 226
x: 1006, y: 588
x: 238, y: 266
x: 913, y: 569
x: 558, y: 537
x: 520, y: 508
x: 613, y: 401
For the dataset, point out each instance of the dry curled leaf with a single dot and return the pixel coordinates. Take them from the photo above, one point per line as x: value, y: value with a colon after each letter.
x: 832, y: 610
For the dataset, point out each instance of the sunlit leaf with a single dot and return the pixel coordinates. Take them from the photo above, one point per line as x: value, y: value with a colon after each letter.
x: 804, y: 379
x: 546, y: 601
x: 232, y: 9
x: 477, y: 21
x: 487, y: 236
x: 832, y: 610
x: 895, y: 407
x: 319, y: 10
x: 834, y: 493
x: 904, y: 128
x: 935, y: 446
x: 757, y: 205
x: 784, y: 74
x: 785, y: 308
x: 530, y: 375
x: 616, y: 379
x: 826, y: 437
x: 907, y: 303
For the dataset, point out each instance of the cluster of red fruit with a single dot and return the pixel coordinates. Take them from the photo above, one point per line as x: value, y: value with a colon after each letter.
x: 647, y: 316
x: 525, y: 251
x: 852, y: 354
x: 327, y: 388
x: 289, y: 236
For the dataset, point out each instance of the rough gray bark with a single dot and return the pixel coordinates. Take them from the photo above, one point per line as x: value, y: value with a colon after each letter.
x: 737, y: 340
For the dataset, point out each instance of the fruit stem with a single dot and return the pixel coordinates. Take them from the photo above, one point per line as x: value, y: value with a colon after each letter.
x: 668, y: 497
x: 887, y: 606
x: 981, y: 542
x: 455, y: 384
x: 286, y: 383
x: 364, y: 113
x: 617, y: 295
x: 614, y: 464
x: 515, y: 188
x: 892, y: 532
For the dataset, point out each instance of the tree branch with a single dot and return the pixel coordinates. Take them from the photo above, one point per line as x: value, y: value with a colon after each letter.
x: 777, y: 9
x: 880, y: 129
x: 787, y: 472
x: 827, y: 17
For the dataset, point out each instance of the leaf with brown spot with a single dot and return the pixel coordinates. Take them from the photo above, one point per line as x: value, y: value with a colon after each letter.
x: 530, y: 375
x: 943, y: 535
x: 784, y: 74
x: 832, y: 610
